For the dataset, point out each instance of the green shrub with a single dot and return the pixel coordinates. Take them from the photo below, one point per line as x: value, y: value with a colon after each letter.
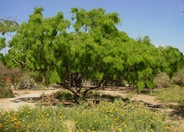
x: 140, y: 86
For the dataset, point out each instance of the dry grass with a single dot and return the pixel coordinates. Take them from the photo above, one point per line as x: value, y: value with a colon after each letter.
x: 172, y: 94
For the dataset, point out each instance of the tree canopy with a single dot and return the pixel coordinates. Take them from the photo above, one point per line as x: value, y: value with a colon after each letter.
x: 6, y: 26
x: 96, y: 49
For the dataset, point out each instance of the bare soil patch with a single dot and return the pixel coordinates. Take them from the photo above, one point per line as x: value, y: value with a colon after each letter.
x: 23, y: 97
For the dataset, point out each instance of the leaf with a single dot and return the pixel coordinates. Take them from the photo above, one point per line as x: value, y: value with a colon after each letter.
x: 54, y: 77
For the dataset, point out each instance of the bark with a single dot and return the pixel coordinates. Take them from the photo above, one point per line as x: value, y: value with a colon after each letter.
x: 77, y: 89
x: 76, y: 93
x: 43, y: 79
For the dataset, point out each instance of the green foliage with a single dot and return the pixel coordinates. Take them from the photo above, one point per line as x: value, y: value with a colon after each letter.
x: 150, y: 84
x: 172, y: 60
x: 96, y: 49
x: 104, y: 117
x: 8, y: 26
x: 140, y: 85
x: 40, y: 50
x: 54, y: 77
x: 2, y: 43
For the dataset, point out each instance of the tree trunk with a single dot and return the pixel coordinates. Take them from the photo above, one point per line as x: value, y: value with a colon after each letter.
x: 43, y: 79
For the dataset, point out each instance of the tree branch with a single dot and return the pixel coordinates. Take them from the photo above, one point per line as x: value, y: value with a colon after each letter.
x: 71, y: 90
x: 18, y: 62
x: 92, y: 88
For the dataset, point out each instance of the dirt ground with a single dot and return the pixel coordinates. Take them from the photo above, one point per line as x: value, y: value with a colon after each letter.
x: 29, y: 97
x: 23, y: 97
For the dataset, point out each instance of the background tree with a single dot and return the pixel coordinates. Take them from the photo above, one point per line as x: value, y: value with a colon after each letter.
x: 6, y: 26
x: 172, y: 60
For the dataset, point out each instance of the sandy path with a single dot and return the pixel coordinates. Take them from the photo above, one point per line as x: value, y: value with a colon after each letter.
x: 23, y: 98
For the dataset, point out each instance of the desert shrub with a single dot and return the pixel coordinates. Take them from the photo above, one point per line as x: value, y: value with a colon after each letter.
x: 6, y: 92
x: 181, y: 101
x: 181, y: 105
x: 27, y: 81
x: 63, y: 96
x: 178, y: 78
x: 3, y: 74
x: 48, y: 99
x: 2, y: 81
x: 162, y: 80
x: 15, y: 75
x: 27, y: 84
x: 5, y: 84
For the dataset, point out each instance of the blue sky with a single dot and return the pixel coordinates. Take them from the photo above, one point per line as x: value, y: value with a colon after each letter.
x: 161, y: 20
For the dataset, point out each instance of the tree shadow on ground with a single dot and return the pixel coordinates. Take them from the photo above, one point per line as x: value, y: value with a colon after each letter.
x: 27, y: 99
x: 105, y: 97
x: 120, y: 89
x: 177, y: 113
x: 172, y: 109
x: 152, y: 106
x: 68, y: 100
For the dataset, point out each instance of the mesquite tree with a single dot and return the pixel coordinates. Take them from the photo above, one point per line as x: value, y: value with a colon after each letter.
x: 93, y: 50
